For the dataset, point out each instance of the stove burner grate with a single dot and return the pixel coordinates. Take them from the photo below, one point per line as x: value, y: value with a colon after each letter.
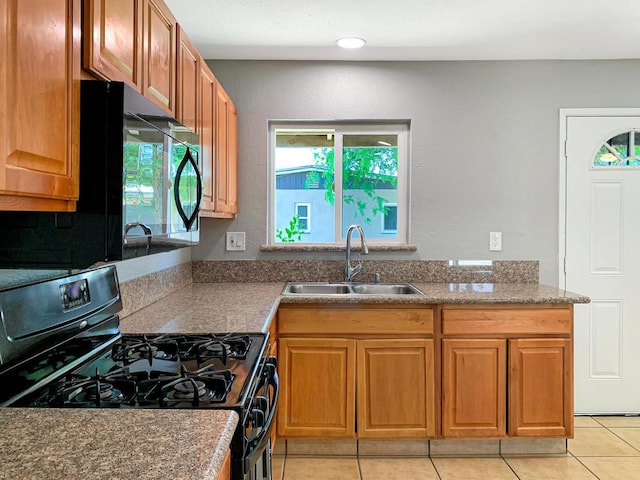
x: 206, y: 347
x: 132, y: 349
x: 206, y: 385
x: 92, y: 391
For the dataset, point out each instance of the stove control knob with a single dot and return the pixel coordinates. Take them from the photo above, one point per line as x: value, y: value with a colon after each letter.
x: 257, y: 418
x: 272, y: 361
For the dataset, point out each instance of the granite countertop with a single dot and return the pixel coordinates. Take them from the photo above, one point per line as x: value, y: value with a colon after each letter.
x: 250, y: 307
x: 141, y: 443
x: 209, y: 308
x: 114, y: 443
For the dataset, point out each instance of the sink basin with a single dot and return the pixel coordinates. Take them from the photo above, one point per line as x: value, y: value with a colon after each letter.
x: 316, y: 289
x: 320, y: 288
x: 385, y: 289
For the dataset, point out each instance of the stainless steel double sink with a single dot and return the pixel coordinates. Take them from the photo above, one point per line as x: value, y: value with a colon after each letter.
x: 325, y: 288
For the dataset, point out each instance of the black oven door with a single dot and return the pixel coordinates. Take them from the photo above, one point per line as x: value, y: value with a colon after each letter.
x: 259, y: 425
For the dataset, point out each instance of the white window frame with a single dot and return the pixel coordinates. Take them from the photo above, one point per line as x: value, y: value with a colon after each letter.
x: 308, y: 217
x: 382, y: 217
x: 400, y: 127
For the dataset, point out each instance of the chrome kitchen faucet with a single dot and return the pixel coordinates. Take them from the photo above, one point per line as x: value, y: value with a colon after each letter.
x: 349, y: 271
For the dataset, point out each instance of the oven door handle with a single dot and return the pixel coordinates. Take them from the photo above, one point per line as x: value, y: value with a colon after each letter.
x: 262, y: 440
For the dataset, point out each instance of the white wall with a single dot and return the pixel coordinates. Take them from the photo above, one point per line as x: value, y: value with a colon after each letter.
x: 484, y: 144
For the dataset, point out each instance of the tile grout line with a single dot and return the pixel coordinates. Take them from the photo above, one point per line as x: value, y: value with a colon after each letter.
x: 580, y: 462
x: 510, y: 467
x: 618, y: 436
x: 434, y: 467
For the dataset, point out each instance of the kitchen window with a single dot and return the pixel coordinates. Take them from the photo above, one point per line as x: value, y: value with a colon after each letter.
x: 350, y: 172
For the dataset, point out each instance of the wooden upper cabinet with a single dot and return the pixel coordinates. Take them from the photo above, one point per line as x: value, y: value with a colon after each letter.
x: 188, y: 91
x: 134, y: 41
x: 113, y: 40
x: 232, y: 160
x: 39, y: 104
x: 224, y: 173
x: 395, y: 388
x: 159, y: 55
x: 223, y: 109
x: 207, y: 134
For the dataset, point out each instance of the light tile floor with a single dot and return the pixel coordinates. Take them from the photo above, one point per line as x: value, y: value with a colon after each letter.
x: 604, y: 448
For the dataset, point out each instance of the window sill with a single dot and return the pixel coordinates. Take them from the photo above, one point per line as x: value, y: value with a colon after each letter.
x: 334, y: 247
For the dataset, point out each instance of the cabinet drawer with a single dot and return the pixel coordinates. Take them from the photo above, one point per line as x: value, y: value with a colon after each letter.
x: 507, y: 321
x: 355, y: 321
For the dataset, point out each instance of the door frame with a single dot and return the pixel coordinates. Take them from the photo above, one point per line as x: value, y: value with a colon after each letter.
x: 564, y: 113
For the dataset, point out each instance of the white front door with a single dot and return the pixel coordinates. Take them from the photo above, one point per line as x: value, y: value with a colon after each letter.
x: 602, y: 241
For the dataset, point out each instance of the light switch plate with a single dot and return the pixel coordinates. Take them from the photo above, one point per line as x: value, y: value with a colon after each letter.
x: 235, y: 241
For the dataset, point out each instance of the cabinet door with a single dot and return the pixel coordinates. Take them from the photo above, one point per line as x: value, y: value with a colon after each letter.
x: 225, y: 469
x: 188, y: 93
x: 222, y: 150
x: 395, y: 388
x: 232, y: 160
x: 207, y: 136
x: 159, y: 55
x: 112, y: 42
x: 317, y: 387
x: 540, y: 387
x: 39, y: 104
x: 474, y: 388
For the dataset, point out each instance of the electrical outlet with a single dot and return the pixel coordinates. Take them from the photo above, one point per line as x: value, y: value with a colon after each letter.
x: 235, y: 241
x: 495, y: 241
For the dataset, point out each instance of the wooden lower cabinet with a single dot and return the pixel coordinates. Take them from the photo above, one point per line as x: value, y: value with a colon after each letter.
x: 540, y: 387
x: 474, y: 388
x: 225, y: 470
x: 459, y: 372
x: 395, y: 388
x: 539, y: 397
x: 317, y: 397
x: 344, y: 374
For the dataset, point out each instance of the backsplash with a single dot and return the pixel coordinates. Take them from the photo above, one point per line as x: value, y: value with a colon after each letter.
x: 142, y: 291
x: 426, y: 271
x: 139, y: 292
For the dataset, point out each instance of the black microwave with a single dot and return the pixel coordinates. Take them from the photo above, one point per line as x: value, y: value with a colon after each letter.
x: 140, y: 188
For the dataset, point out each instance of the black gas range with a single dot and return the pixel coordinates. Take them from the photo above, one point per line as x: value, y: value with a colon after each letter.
x: 61, y: 346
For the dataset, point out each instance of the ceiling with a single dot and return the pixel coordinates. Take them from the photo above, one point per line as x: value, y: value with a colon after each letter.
x: 412, y: 29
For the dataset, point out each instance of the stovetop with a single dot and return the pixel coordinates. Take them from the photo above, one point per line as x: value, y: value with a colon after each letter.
x: 61, y: 346
x: 147, y: 371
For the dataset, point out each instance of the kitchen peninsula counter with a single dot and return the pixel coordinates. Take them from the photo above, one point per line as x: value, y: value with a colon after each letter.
x: 123, y: 444
x: 250, y: 307
x: 157, y: 443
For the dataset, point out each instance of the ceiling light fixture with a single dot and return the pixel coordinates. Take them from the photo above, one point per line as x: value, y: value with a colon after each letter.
x: 350, y: 42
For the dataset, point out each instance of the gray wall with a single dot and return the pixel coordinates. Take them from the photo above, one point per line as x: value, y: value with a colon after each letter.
x: 484, y: 144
